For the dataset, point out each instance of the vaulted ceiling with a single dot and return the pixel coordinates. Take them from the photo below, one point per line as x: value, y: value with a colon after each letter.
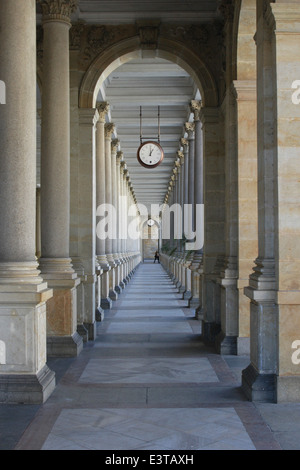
x: 148, y: 85
x: 160, y: 91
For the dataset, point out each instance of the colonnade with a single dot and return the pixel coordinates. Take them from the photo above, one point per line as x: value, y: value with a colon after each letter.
x: 239, y: 160
x: 49, y: 306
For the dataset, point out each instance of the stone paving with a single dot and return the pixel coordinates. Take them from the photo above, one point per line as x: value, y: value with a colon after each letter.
x: 147, y: 383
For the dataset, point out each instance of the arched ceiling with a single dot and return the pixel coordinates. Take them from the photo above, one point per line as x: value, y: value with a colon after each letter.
x: 148, y: 83
x: 162, y: 91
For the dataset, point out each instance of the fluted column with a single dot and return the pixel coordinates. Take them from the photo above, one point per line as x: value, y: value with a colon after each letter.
x: 109, y: 130
x: 119, y: 177
x: 102, y: 263
x: 83, y: 234
x: 198, y: 213
x: 181, y: 202
x: 214, y: 214
x: 114, y: 148
x: 185, y: 144
x: 189, y: 210
x: 24, y: 375
x: 55, y: 263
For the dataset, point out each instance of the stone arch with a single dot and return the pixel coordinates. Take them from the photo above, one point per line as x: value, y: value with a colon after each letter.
x: 122, y: 52
x: 149, y: 244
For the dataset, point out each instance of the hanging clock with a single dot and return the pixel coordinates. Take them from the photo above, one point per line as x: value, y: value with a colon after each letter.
x: 150, y: 222
x: 150, y: 154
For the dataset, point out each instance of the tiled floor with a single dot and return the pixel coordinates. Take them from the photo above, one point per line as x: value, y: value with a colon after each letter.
x: 147, y: 382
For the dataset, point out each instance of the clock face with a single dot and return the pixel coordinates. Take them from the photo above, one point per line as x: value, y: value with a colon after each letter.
x: 150, y: 154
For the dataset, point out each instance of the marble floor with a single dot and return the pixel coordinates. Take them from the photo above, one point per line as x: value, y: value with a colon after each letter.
x: 146, y: 383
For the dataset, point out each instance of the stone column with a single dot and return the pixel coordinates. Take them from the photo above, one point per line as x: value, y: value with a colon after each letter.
x: 86, y: 230
x: 109, y: 130
x: 196, y: 266
x: 119, y: 159
x: 214, y: 218
x: 189, y: 220
x: 181, y: 202
x: 24, y: 375
x: 103, y: 265
x: 124, y: 172
x: 185, y: 144
x: 55, y: 263
x: 114, y: 148
x: 247, y: 200
x: 274, y: 287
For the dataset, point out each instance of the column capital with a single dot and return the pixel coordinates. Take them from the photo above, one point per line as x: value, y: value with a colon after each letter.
x: 196, y: 106
x: 119, y: 157
x: 244, y: 90
x: 180, y: 155
x: 102, y: 109
x: 114, y: 145
x: 58, y: 10
x: 109, y: 129
x: 285, y: 17
x: 190, y: 128
x: 184, y: 142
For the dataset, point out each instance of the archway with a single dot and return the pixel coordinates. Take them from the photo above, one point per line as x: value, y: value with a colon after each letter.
x: 116, y: 55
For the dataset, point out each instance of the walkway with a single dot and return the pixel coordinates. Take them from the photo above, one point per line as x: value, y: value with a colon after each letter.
x: 147, y: 382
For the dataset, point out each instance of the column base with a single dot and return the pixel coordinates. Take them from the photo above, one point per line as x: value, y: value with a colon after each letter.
x: 64, y: 346
x: 226, y: 345
x: 113, y: 294
x: 27, y: 389
x: 92, y: 330
x: 122, y: 285
x: 99, y: 314
x: 187, y: 295
x: 82, y: 331
x: 106, y: 303
x: 259, y: 387
x: 182, y: 290
x: 118, y: 289
x: 194, y: 303
x: 209, y: 331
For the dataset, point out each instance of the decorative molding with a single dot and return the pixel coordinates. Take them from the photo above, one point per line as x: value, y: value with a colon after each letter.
x: 75, y: 36
x: 148, y: 32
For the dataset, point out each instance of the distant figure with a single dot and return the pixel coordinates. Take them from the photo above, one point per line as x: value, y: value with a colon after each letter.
x: 156, y: 256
